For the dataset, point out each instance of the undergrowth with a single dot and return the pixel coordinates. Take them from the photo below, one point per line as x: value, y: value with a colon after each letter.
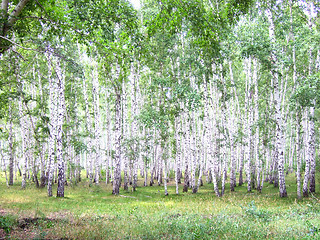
x: 94, y: 213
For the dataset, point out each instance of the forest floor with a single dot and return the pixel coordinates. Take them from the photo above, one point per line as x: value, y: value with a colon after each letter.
x: 94, y: 213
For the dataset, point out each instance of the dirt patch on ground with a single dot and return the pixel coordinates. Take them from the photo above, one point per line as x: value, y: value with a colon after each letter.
x: 4, y: 212
x: 18, y: 226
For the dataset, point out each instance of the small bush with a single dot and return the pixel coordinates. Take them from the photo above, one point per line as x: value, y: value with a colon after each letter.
x: 252, y: 211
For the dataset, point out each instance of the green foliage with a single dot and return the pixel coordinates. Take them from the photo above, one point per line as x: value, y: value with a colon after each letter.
x: 132, y: 148
x: 253, y: 212
x: 308, y: 93
x: 206, y: 22
x: 7, y: 222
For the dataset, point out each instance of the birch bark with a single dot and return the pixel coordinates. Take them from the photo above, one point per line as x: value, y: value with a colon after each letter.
x: 178, y: 152
x: 186, y: 154
x: 312, y: 139
x: 256, y: 119
x: 53, y: 97
x: 298, y: 152
x: 135, y: 133
x: 60, y: 120
x: 232, y: 124
x: 248, y: 125
x: 117, y: 171
x: 10, y: 142
x: 277, y: 103
x: 97, y: 127
x: 88, y: 125
x: 212, y: 138
x: 23, y: 131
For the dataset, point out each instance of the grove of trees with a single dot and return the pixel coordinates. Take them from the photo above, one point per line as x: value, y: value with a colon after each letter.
x: 226, y: 91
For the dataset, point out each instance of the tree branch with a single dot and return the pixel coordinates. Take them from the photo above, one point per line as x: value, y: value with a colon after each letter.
x: 16, y: 11
x: 18, y: 54
x: 31, y: 49
x: 44, y: 11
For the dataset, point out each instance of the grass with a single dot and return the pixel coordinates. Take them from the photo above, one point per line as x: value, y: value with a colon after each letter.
x: 94, y: 213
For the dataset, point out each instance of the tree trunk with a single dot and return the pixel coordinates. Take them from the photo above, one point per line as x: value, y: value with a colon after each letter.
x: 97, y: 127
x: 10, y: 141
x: 165, y: 170
x: 178, y: 153
x: 117, y: 171
x: 298, y: 154
x: 278, y: 116
x: 23, y: 129
x: 241, y: 165
x: 88, y: 139
x: 60, y: 120
x: 256, y: 135
x: 248, y: 126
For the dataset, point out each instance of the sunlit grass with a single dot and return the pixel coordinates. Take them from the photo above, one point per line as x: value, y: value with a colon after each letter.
x: 93, y: 212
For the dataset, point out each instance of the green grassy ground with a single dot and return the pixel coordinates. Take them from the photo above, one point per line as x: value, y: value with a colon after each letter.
x: 94, y: 213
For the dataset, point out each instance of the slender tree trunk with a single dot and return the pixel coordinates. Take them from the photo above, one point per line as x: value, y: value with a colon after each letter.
x: 278, y: 116
x: 312, y: 138
x: 117, y: 171
x: 186, y: 157
x: 298, y: 154
x: 109, y: 146
x: 52, y: 127
x: 165, y: 171
x: 256, y: 136
x: 214, y: 150
x: 97, y: 127
x: 145, y: 175
x: 241, y: 165
x: 4, y: 166
x: 135, y: 134
x: 178, y: 152
x: 248, y: 126
x: 88, y: 125
x: 60, y: 120
x: 10, y: 141
x: 24, y: 130
x: 154, y: 157
x: 224, y: 160
x: 193, y: 149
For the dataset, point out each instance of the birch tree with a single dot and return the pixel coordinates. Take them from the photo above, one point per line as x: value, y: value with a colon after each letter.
x: 277, y: 102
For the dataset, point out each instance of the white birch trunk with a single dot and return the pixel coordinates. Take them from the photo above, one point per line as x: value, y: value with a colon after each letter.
x: 53, y: 98
x: 10, y: 142
x: 193, y: 153
x: 23, y: 131
x: 298, y: 152
x: 89, y: 154
x: 117, y: 160
x: 178, y: 152
x: 186, y: 153
x: 60, y: 120
x: 164, y: 164
x: 135, y: 133
x: 248, y: 126
x: 256, y: 136
x: 97, y: 127
x: 212, y: 136
x: 109, y: 145
x: 278, y: 116
x: 232, y: 124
